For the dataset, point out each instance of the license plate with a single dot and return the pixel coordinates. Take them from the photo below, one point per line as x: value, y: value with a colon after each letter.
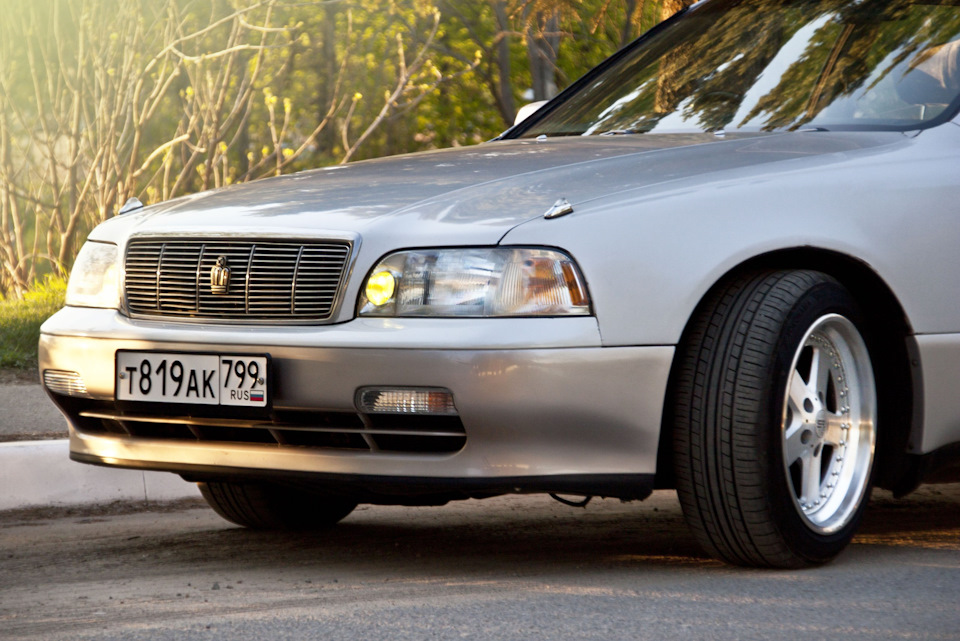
x: 197, y: 379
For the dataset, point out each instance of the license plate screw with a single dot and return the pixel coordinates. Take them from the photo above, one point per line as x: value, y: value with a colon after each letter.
x: 122, y: 376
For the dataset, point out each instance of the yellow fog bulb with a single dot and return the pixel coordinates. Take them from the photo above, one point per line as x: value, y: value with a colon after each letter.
x: 381, y: 287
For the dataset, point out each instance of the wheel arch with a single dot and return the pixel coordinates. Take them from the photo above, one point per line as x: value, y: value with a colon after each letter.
x: 897, y: 364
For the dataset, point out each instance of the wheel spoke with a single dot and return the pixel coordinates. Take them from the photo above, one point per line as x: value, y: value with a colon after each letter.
x: 798, y: 392
x: 834, y: 433
x: 810, y: 467
x: 820, y: 373
x: 794, y: 448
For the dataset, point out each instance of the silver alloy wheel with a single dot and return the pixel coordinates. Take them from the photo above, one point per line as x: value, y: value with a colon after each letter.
x: 829, y: 424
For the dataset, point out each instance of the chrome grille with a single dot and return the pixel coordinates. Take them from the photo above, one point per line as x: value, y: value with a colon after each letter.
x: 269, y: 280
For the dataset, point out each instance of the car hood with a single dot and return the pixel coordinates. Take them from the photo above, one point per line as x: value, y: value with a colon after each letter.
x: 469, y: 195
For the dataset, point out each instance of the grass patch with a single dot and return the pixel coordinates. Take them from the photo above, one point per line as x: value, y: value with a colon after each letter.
x: 20, y: 322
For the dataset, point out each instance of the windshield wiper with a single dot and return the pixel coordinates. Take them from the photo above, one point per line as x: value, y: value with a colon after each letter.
x: 621, y: 132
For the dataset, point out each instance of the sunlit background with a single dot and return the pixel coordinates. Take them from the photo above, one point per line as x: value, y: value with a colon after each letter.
x: 103, y: 100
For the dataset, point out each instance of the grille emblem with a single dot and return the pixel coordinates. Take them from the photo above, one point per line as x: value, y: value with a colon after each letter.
x: 220, y: 277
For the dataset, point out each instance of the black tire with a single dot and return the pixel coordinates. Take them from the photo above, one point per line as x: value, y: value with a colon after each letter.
x: 266, y: 506
x: 749, y: 463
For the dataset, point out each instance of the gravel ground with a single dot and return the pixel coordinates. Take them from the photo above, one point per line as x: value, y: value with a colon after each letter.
x: 508, y: 568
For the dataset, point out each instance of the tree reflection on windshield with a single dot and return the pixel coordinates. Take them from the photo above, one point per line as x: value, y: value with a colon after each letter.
x: 757, y: 65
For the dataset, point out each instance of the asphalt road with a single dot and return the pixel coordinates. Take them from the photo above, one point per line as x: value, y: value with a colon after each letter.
x: 26, y: 414
x: 516, y: 567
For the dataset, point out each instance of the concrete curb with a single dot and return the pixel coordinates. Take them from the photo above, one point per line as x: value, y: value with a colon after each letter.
x: 40, y: 473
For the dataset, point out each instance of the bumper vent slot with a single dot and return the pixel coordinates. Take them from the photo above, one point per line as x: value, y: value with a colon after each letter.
x: 285, y: 429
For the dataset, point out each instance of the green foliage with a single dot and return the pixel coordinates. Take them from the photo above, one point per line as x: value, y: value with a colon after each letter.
x: 20, y: 321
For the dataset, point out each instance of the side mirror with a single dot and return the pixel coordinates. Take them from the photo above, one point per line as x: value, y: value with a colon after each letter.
x: 527, y: 110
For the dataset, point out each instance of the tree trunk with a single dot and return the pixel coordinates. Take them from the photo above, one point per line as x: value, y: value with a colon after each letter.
x: 508, y: 108
x: 331, y: 69
x: 626, y: 33
x: 543, y: 40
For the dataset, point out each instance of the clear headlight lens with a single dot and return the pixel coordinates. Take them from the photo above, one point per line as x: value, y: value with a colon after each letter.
x: 95, y: 278
x: 490, y: 281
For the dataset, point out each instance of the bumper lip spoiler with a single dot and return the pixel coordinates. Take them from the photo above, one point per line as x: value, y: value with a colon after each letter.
x: 631, y: 487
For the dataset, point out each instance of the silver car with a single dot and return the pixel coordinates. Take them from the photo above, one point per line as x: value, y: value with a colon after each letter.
x: 725, y: 261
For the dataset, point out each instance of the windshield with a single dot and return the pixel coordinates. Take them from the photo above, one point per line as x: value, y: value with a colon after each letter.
x: 762, y: 65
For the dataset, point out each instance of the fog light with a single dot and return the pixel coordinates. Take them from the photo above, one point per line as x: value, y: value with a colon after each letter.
x: 65, y: 383
x: 401, y: 400
x: 381, y: 288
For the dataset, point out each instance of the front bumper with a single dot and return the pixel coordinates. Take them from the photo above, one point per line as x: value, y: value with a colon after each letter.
x: 567, y: 409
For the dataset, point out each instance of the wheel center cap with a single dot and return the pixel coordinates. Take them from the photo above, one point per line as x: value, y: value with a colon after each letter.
x: 821, y: 423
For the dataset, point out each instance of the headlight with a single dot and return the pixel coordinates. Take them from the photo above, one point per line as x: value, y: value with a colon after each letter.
x: 95, y: 278
x: 494, y: 281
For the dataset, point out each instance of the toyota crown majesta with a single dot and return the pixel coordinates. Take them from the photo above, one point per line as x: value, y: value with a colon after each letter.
x: 725, y: 261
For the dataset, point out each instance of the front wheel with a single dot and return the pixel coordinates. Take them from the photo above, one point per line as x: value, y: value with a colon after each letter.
x: 268, y: 506
x: 775, y: 420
